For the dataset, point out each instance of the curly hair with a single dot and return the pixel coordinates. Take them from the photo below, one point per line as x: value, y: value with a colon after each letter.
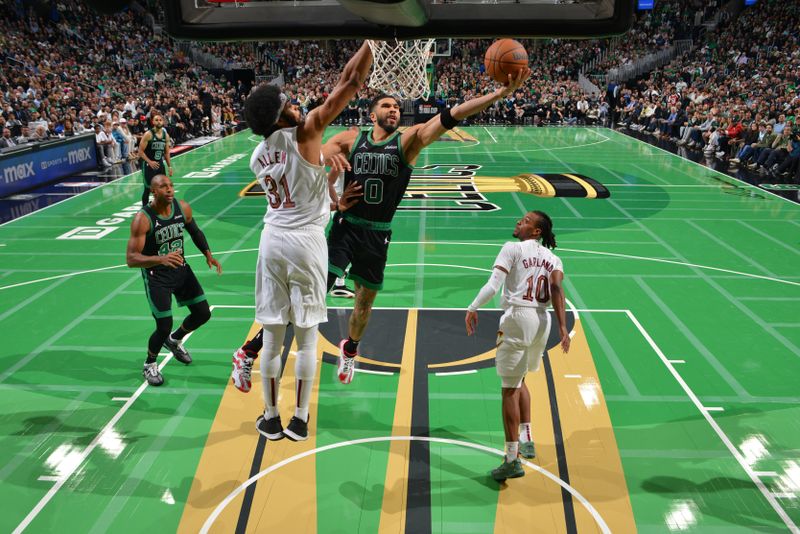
x: 261, y: 109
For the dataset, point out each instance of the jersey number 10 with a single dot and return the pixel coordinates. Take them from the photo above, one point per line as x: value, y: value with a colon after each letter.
x: 542, y: 290
x: 274, y: 194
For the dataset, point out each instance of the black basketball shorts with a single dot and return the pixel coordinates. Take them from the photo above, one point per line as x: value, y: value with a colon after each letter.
x: 361, y: 248
x: 161, y: 283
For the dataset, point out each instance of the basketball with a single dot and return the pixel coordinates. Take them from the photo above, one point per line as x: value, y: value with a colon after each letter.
x: 504, y: 57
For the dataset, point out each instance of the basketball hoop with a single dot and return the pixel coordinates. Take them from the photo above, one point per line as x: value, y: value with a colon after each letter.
x: 399, y: 69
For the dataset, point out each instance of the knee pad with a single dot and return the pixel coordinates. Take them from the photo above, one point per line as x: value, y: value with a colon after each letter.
x: 273, y: 341
x: 270, y: 367
x: 306, y: 358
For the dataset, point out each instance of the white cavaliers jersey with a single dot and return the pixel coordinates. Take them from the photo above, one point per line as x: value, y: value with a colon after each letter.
x: 530, y: 266
x: 296, y: 190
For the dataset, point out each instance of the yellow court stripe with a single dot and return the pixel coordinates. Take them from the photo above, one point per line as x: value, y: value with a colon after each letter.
x: 466, y: 361
x: 226, y: 459
x: 595, y: 468
x: 395, y: 490
x: 591, y: 192
x: 246, y: 189
x: 534, y: 500
x: 465, y: 136
x: 289, y: 496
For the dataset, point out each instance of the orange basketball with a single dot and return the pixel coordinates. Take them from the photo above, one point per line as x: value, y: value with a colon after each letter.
x: 504, y: 57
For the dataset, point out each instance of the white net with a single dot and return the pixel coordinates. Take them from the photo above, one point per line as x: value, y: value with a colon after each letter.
x: 398, y: 68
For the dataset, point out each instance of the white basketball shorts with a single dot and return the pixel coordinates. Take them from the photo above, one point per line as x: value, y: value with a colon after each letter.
x: 291, y: 276
x: 521, y: 343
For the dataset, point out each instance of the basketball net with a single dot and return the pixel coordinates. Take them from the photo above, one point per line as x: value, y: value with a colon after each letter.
x: 398, y: 68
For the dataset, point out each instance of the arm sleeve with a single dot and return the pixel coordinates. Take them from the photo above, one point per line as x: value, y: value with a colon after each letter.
x: 489, y: 290
x: 198, y: 237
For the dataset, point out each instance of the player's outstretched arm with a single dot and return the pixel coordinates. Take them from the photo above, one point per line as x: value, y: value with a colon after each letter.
x: 199, y: 238
x: 559, y: 305
x: 425, y: 134
x: 351, y: 80
x: 487, y: 293
x: 134, y: 257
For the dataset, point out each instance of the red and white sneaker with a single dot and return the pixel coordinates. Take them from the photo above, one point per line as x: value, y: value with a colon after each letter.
x: 347, y: 364
x: 242, y: 368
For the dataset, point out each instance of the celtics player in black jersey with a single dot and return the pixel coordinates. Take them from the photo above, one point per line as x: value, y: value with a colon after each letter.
x: 382, y: 160
x: 153, y: 150
x: 156, y: 246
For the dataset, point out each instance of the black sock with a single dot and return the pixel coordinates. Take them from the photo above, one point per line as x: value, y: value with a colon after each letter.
x: 151, y: 358
x: 179, y: 334
x: 350, y: 346
x: 254, y: 345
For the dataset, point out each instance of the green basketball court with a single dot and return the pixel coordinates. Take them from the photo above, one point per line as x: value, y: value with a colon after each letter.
x: 676, y: 410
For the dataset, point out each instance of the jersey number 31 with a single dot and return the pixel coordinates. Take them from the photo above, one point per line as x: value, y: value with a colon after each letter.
x: 274, y: 194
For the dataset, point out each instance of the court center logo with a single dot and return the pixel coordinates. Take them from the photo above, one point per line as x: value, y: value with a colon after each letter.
x: 458, y: 187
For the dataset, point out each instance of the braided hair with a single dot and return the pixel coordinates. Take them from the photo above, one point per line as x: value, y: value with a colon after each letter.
x: 546, y: 226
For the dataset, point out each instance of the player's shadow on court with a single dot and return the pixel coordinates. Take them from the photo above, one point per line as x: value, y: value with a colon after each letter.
x: 715, y: 498
x: 357, y: 422
x: 365, y: 498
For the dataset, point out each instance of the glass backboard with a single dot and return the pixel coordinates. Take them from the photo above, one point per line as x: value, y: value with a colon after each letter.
x: 400, y: 19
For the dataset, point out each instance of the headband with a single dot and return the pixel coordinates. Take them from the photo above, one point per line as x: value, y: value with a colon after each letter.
x: 284, y: 99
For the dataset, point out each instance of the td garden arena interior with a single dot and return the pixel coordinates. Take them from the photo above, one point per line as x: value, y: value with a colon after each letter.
x: 659, y: 137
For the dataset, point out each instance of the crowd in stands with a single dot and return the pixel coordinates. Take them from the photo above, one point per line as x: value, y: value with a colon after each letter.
x: 736, y: 96
x: 656, y: 30
x: 60, y: 76
x: 551, y: 96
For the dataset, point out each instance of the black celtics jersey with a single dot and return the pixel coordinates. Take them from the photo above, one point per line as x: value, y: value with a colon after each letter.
x: 383, y: 172
x: 166, y: 234
x: 156, y: 147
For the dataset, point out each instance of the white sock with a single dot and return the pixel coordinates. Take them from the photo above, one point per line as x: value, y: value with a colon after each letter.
x: 525, y: 432
x: 512, y: 448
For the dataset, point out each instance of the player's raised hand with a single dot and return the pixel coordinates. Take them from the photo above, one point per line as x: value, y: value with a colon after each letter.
x: 472, y: 321
x: 352, y: 193
x: 515, y: 81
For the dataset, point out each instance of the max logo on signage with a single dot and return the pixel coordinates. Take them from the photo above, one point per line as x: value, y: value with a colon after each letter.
x: 18, y: 172
x: 78, y: 156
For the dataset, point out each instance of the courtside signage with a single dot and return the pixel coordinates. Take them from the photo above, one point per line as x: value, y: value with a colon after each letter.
x: 46, y: 164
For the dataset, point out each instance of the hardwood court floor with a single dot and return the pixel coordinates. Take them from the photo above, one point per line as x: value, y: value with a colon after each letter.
x: 676, y: 411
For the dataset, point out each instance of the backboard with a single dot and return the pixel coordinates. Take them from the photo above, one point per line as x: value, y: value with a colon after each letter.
x: 399, y: 19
